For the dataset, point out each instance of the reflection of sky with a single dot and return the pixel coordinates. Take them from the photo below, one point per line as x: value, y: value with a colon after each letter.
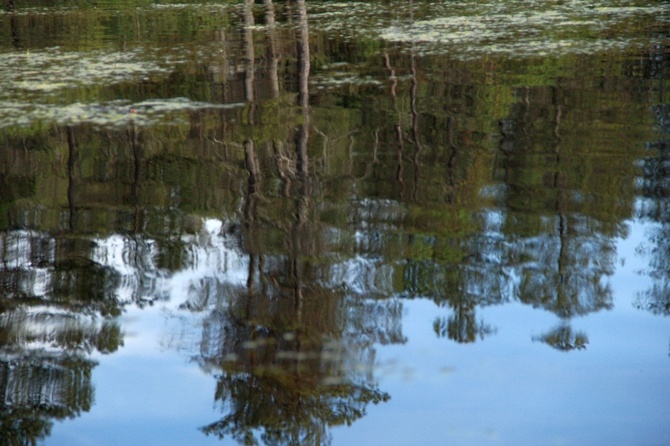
x: 505, y: 390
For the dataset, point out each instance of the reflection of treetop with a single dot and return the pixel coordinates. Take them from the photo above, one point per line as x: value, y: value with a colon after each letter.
x: 565, y: 339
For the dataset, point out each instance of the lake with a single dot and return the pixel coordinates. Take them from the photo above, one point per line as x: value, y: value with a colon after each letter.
x: 317, y: 222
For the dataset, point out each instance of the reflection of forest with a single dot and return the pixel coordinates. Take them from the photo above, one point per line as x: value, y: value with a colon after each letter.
x: 304, y: 218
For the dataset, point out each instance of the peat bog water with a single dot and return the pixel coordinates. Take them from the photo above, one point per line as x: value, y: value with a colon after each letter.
x: 315, y: 222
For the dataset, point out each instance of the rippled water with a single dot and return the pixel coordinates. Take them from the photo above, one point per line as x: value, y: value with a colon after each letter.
x: 334, y: 222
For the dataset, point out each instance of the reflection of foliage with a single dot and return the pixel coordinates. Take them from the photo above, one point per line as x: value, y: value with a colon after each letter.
x: 656, y: 300
x: 287, y: 407
x: 563, y: 338
x: 655, y: 190
x: 462, y: 327
x: 294, y: 365
x: 35, y: 389
x: 50, y: 320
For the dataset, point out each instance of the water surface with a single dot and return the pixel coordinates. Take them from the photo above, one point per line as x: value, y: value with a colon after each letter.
x: 334, y: 222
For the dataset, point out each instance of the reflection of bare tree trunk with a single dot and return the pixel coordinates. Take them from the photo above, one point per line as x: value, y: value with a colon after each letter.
x: 450, y: 195
x: 561, y: 208
x: 249, y: 57
x: 303, y: 55
x: 71, y: 185
x: 135, y: 188
x: 415, y: 113
x: 302, y: 139
x: 398, y: 125
x: 283, y: 165
x: 253, y: 170
x: 272, y: 47
x: 13, y: 24
x: 415, y: 125
x: 250, y: 158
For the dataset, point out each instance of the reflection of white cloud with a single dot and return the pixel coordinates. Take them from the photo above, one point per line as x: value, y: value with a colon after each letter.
x: 363, y: 276
x: 24, y: 253
x: 41, y: 328
x: 211, y: 263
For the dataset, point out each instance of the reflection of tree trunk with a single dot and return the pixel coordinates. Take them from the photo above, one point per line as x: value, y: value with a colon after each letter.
x: 450, y: 195
x: 249, y: 57
x: 135, y: 188
x: 282, y: 163
x: 13, y: 25
x: 303, y: 55
x: 561, y: 209
x: 398, y: 125
x: 71, y: 186
x: 252, y: 165
x: 415, y: 126
x: 302, y: 139
x: 415, y: 113
x: 272, y: 47
x: 251, y: 162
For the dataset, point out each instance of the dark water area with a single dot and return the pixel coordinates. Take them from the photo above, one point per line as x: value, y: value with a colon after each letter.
x: 334, y: 222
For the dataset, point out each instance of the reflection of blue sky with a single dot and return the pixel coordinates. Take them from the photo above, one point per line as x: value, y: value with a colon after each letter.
x: 505, y: 390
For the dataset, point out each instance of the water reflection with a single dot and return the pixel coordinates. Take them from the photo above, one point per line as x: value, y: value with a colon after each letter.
x: 563, y: 338
x: 305, y: 188
x: 48, y: 330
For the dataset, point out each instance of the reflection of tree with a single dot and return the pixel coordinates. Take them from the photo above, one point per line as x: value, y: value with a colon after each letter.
x: 462, y: 326
x: 295, y: 356
x: 289, y: 373
x: 561, y: 219
x: 45, y: 373
x: 654, y: 207
x: 54, y: 292
x: 563, y: 338
x: 653, y: 203
x: 35, y: 389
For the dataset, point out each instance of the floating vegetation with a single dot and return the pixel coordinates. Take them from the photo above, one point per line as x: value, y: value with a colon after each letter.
x: 518, y: 33
x: 468, y: 29
x: 62, y: 86
x: 339, y: 79
x: 33, y: 85
x: 52, y: 70
x: 112, y: 114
